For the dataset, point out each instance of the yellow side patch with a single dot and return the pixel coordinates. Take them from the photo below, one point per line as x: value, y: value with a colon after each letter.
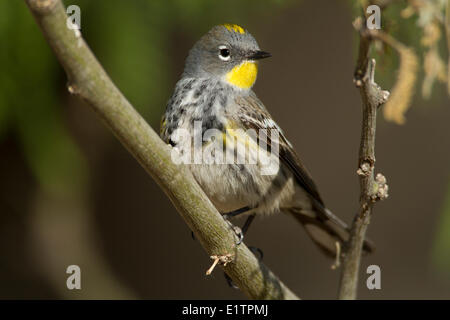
x: 234, y: 27
x: 162, y: 125
x: 240, y: 136
x: 243, y: 75
x: 232, y: 130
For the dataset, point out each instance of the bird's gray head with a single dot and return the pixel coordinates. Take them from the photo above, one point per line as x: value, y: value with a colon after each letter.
x: 227, y: 52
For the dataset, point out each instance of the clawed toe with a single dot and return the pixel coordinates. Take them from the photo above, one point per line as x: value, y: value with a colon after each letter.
x: 257, y: 252
x: 230, y: 282
x: 236, y: 230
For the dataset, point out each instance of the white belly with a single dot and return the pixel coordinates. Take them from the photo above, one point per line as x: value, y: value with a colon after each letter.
x: 234, y: 186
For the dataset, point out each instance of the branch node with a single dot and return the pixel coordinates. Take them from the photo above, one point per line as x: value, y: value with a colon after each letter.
x: 358, y: 23
x: 377, y: 95
x: 222, y: 259
x: 337, y: 262
x: 365, y: 168
x: 381, y: 188
x: 42, y: 6
x: 358, y: 82
x: 385, y: 96
x: 72, y: 88
x: 380, y: 178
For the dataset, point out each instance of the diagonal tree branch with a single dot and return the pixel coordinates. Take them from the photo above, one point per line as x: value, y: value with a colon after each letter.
x: 88, y: 80
x: 372, y: 188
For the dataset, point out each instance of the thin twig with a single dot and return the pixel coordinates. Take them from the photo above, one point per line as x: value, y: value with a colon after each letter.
x: 88, y: 80
x: 371, y: 189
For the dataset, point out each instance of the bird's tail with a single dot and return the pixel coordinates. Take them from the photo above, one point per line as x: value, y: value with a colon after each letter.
x: 326, y: 230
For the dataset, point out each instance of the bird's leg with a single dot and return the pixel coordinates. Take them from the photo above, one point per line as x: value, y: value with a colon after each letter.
x: 235, y: 213
x: 247, y: 223
x: 245, y: 227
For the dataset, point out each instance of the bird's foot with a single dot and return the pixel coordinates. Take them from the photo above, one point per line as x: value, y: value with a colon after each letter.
x: 237, y: 231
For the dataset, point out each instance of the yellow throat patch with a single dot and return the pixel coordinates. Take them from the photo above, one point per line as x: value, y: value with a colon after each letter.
x: 243, y: 75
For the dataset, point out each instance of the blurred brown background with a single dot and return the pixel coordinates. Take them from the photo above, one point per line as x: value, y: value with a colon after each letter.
x: 71, y: 194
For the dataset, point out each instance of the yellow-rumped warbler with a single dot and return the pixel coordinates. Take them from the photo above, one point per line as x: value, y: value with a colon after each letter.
x: 214, y: 94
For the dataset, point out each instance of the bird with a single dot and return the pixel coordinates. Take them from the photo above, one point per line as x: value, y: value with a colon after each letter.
x: 213, y: 114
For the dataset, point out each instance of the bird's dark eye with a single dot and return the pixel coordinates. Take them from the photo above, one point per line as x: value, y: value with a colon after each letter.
x: 224, y: 53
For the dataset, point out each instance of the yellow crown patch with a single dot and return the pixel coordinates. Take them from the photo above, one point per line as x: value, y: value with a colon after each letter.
x: 234, y: 27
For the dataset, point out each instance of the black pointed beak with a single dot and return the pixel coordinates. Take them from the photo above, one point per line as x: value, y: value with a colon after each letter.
x: 257, y: 55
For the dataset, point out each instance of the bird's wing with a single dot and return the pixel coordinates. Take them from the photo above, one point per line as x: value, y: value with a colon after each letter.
x: 253, y: 115
x: 322, y: 225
